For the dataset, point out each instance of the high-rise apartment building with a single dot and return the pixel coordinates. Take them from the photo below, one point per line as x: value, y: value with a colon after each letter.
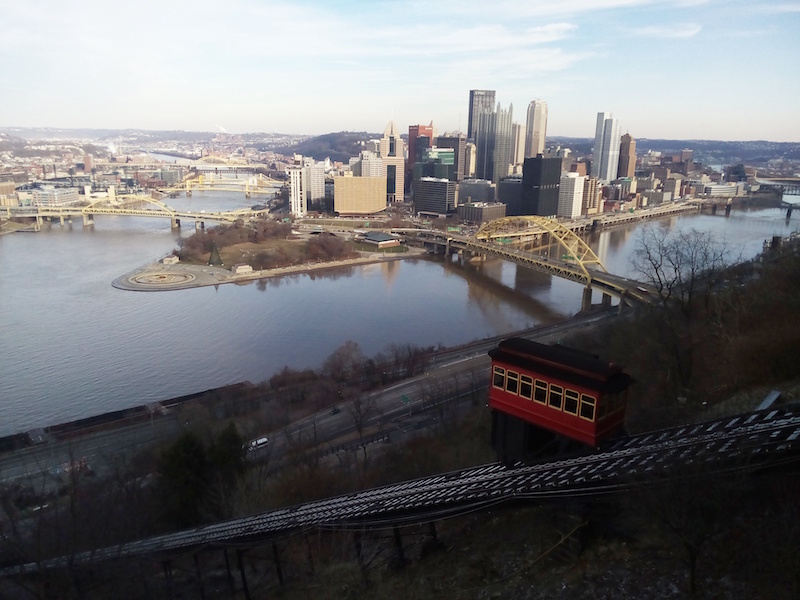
x: 392, y: 153
x: 297, y: 193
x: 627, y: 156
x: 535, y: 128
x: 314, y: 179
x: 605, y: 154
x: 480, y: 101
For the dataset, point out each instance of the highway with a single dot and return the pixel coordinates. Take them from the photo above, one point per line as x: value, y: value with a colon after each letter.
x: 409, y: 404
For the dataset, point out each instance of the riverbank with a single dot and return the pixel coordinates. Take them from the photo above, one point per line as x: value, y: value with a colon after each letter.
x: 159, y: 277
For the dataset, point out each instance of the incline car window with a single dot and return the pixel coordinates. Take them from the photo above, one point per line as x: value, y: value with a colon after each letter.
x: 512, y: 382
x: 525, y: 386
x: 499, y: 379
x: 540, y: 395
x: 571, y: 402
x: 556, y: 396
x: 587, y: 407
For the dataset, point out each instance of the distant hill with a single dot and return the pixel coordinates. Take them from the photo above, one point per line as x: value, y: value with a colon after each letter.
x: 339, y: 146
x: 708, y: 152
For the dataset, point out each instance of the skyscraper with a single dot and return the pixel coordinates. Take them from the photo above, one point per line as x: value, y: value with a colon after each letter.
x: 415, y: 150
x: 627, y: 156
x: 605, y: 154
x: 480, y: 101
x: 493, y: 143
x: 504, y: 136
x: 394, y: 163
x: 297, y: 193
x: 518, y: 144
x: 458, y: 142
x: 535, y: 128
x: 541, y: 179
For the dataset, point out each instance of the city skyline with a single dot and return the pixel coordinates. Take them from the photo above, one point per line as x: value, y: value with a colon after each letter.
x: 677, y: 69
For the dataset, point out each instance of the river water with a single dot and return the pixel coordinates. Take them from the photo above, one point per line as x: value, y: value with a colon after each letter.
x: 72, y: 346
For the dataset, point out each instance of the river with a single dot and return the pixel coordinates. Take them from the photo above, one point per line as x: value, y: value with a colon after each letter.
x: 73, y: 346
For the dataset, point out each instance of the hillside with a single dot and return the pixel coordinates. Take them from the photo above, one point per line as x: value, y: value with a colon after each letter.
x: 339, y: 146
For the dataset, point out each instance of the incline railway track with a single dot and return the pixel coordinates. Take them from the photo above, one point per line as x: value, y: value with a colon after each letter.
x: 764, y: 438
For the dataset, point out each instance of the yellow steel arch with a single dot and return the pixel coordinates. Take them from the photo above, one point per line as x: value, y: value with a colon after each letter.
x: 129, y: 197
x: 573, y: 248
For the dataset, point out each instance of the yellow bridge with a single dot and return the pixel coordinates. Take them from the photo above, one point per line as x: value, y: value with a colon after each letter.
x: 562, y: 253
x: 129, y: 207
x: 254, y: 184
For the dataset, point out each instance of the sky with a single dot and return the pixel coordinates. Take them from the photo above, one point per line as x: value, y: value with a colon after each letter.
x: 672, y: 69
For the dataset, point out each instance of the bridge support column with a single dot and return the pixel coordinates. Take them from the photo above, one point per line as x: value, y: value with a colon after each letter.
x: 621, y: 301
x: 788, y: 213
x: 606, y: 300
x: 88, y: 220
x: 39, y: 222
x: 61, y: 218
x: 727, y: 210
x: 176, y: 223
x: 586, y: 304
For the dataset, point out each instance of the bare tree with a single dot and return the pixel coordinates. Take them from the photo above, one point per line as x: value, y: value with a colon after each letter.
x: 682, y: 266
x: 685, y: 269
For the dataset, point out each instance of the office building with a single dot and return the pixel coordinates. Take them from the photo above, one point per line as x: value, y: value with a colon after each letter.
x: 53, y: 196
x: 592, y: 202
x: 493, y: 143
x: 458, y: 142
x: 605, y: 154
x: 436, y: 162
x: 470, y: 160
x: 570, y: 195
x: 509, y: 192
x: 480, y: 101
x: 517, y: 144
x: 481, y: 212
x: 433, y: 196
x: 541, y: 179
x: 476, y: 190
x: 535, y: 128
x: 414, y: 132
x: 627, y: 157
x: 359, y: 195
x: 394, y: 162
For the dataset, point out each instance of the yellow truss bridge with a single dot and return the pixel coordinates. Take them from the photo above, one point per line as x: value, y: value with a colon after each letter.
x: 254, y: 184
x: 572, y: 259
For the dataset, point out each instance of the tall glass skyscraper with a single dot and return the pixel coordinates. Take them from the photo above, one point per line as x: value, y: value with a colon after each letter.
x: 480, y: 101
x: 493, y: 143
x: 535, y: 128
x: 605, y: 154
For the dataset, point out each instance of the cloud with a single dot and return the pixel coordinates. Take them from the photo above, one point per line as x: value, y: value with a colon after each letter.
x: 684, y: 30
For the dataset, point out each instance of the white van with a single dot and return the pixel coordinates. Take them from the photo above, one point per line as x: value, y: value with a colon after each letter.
x: 257, y: 443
